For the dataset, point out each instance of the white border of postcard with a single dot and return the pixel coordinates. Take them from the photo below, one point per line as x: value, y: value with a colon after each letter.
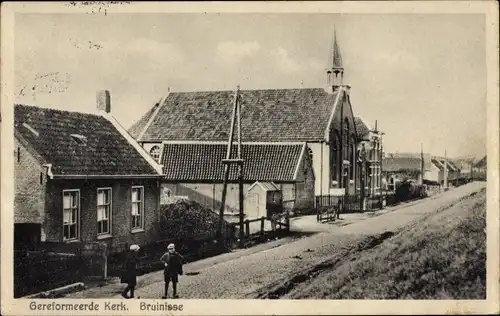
x: 269, y: 307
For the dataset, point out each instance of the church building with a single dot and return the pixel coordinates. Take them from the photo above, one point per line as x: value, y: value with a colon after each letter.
x: 320, y: 118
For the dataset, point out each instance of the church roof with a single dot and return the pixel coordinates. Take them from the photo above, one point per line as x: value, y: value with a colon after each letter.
x: 274, y: 115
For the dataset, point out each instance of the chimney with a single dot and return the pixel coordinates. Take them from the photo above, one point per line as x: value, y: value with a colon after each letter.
x: 104, y: 101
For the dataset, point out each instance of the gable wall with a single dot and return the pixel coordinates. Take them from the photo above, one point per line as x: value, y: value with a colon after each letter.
x: 30, y: 180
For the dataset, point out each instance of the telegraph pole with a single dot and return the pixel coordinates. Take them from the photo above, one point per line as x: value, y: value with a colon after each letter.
x: 236, y: 119
x: 422, y: 168
x: 445, y: 170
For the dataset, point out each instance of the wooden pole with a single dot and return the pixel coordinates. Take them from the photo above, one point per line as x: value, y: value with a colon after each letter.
x: 226, y: 168
x: 445, y: 170
x: 422, y: 168
x: 240, y: 173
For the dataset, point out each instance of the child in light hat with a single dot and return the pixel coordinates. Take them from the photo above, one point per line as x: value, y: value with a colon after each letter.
x: 173, y: 268
x: 130, y: 272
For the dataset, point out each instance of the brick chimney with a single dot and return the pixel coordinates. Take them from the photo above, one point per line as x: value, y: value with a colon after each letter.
x: 104, y: 101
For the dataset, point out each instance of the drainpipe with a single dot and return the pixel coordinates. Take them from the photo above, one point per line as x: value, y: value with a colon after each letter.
x: 321, y: 173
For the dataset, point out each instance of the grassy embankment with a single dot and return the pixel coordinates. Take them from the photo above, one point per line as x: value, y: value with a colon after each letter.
x: 441, y: 257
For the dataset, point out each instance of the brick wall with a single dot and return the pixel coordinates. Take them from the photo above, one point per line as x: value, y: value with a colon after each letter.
x: 29, y: 179
x: 121, y: 211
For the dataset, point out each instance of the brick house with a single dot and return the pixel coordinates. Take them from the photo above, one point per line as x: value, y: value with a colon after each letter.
x: 320, y: 117
x: 81, y: 177
x: 287, y: 165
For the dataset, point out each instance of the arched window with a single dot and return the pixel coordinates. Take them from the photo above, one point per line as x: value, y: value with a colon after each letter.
x: 154, y: 152
x: 346, y: 140
x: 334, y: 157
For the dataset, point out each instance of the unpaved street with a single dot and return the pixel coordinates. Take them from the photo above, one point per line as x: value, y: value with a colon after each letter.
x: 255, y: 274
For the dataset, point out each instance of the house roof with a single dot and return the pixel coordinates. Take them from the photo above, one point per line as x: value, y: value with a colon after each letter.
x: 78, y: 143
x: 395, y: 164
x: 203, y: 161
x: 266, y: 186
x: 272, y: 115
x: 362, y: 128
x: 481, y: 163
x: 440, y: 162
x: 136, y: 129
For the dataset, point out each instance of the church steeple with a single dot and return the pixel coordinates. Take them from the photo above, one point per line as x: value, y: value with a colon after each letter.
x: 335, y: 72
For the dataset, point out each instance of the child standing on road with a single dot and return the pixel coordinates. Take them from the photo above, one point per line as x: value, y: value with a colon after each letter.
x: 129, y: 275
x: 173, y: 268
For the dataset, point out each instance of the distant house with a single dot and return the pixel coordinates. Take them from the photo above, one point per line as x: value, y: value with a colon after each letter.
x: 480, y: 169
x: 400, y: 166
x: 320, y: 117
x: 453, y: 172
x: 480, y: 166
x: 81, y: 178
x: 195, y: 170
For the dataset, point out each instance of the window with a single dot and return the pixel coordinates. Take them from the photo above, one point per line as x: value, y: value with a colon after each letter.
x: 352, y: 158
x: 137, y: 208
x: 104, y: 211
x: 155, y: 152
x: 71, y: 210
x: 334, y: 151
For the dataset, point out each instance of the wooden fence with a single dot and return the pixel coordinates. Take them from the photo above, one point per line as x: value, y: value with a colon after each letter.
x: 328, y: 207
x: 52, y: 265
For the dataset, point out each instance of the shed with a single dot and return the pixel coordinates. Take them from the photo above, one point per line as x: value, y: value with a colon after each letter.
x: 263, y: 199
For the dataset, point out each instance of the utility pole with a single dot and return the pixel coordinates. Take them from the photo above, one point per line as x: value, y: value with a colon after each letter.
x: 445, y: 170
x: 236, y: 118
x: 422, y: 168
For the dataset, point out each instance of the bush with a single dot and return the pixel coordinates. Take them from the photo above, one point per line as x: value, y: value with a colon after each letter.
x: 189, y: 220
x: 408, y: 190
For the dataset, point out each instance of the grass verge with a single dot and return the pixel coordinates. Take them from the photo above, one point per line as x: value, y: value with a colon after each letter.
x: 441, y: 257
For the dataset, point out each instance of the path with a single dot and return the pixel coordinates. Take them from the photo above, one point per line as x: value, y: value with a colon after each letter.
x: 244, y: 276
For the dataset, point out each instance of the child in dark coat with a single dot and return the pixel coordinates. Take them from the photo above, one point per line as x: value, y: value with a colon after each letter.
x: 129, y: 275
x: 173, y: 268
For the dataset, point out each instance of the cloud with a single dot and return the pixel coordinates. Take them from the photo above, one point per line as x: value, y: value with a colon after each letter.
x: 236, y: 51
x: 278, y: 58
x: 286, y: 64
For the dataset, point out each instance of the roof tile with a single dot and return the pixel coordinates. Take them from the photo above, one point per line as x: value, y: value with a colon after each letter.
x: 104, y: 152
x: 262, y: 162
x: 271, y: 115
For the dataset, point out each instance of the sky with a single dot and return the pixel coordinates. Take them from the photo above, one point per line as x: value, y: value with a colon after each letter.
x: 422, y: 77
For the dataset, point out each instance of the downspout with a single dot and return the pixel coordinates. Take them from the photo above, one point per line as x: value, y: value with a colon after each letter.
x: 49, y: 170
x: 321, y: 174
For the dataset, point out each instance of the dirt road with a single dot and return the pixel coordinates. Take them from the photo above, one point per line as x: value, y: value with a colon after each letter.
x: 264, y: 274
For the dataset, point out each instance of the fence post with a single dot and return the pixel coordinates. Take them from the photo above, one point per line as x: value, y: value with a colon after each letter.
x: 287, y: 221
x: 317, y: 208
x: 247, y: 228
x: 262, y: 219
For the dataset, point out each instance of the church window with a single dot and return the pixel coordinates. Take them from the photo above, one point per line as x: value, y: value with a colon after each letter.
x: 155, y: 152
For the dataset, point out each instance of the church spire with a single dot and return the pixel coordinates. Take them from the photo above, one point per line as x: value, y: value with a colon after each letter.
x: 335, y: 72
x: 337, y: 64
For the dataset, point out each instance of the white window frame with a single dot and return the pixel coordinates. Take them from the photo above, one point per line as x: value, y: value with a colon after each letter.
x: 110, y: 214
x: 78, y: 219
x: 141, y: 210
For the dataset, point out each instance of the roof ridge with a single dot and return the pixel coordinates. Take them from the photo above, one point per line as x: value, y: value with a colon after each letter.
x: 243, y: 90
x: 58, y: 110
